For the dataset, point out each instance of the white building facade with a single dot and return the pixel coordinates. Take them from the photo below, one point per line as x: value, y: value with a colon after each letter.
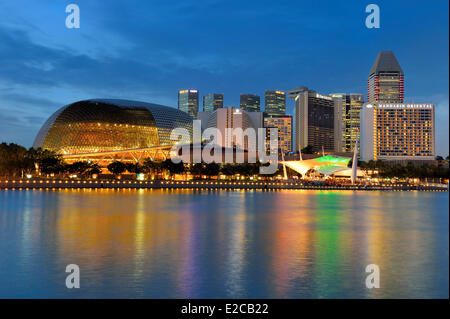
x: 397, y: 131
x: 227, y: 119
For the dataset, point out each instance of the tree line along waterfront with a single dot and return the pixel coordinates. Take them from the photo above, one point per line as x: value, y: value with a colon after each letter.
x: 19, y: 162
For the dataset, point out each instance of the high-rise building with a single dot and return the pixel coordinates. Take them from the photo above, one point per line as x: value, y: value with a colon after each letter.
x: 250, y: 103
x: 233, y: 118
x: 275, y: 103
x: 397, y: 131
x: 347, y: 120
x: 385, y: 83
x: 212, y: 102
x: 188, y: 102
x: 284, y: 125
x: 314, y: 119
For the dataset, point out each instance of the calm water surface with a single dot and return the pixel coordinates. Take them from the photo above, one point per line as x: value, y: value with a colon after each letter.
x: 230, y: 244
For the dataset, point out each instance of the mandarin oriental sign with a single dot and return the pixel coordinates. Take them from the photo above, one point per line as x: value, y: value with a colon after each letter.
x: 403, y: 106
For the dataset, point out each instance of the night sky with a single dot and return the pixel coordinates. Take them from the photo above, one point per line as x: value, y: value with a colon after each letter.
x: 148, y: 50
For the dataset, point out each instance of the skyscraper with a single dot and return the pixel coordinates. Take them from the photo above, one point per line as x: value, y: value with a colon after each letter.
x: 347, y: 120
x: 224, y: 119
x: 397, y: 131
x: 284, y: 125
x: 314, y: 119
x: 250, y: 102
x: 385, y: 83
x: 275, y: 103
x: 212, y: 102
x: 188, y: 102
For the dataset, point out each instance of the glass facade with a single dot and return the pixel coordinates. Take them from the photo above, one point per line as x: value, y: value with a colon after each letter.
x: 386, y: 82
x: 110, y: 125
x: 386, y: 87
x: 250, y: 102
x: 275, y: 103
x: 320, y: 123
x: 347, y: 122
x: 314, y: 119
x: 212, y: 102
x: 284, y: 125
x: 188, y: 102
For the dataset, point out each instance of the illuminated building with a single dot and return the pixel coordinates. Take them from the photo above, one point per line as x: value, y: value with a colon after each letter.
x: 314, y: 119
x: 212, y: 102
x: 284, y: 125
x: 111, y: 128
x: 397, y: 131
x: 325, y: 165
x: 188, y: 102
x: 232, y: 118
x: 275, y: 103
x: 385, y: 83
x: 347, y: 120
x: 250, y: 103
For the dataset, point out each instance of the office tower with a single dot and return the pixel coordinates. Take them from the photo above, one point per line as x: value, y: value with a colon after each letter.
x: 188, y: 102
x: 250, y: 103
x: 284, y: 125
x: 232, y: 118
x: 212, y: 102
x: 386, y: 80
x: 314, y: 119
x: 347, y: 120
x: 397, y: 131
x: 275, y: 103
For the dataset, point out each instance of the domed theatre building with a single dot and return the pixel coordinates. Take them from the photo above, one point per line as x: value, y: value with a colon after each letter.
x: 105, y: 130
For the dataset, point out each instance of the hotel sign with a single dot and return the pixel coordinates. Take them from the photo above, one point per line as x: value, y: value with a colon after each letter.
x: 403, y: 106
x: 320, y: 96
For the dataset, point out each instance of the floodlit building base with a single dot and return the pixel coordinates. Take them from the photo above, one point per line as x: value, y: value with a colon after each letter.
x: 160, y: 153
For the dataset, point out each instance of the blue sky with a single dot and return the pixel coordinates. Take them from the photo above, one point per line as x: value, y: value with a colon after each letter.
x: 147, y: 50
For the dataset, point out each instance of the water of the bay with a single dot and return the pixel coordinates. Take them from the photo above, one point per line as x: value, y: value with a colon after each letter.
x: 223, y: 244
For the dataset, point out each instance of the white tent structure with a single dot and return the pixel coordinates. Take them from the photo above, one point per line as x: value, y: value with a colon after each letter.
x: 327, y: 165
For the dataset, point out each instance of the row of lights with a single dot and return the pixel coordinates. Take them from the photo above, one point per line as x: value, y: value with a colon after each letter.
x: 308, y: 187
x: 395, y: 187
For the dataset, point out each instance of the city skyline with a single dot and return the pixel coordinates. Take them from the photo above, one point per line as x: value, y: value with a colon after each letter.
x: 32, y: 87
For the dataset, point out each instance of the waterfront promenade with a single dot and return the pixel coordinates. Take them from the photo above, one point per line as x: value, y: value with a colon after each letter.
x: 201, y: 184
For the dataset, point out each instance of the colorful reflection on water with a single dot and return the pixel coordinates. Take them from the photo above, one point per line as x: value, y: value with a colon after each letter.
x: 220, y: 244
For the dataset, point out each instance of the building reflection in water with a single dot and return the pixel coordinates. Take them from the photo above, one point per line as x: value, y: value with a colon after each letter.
x: 212, y: 244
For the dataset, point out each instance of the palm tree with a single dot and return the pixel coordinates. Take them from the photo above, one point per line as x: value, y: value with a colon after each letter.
x: 173, y: 168
x: 116, y: 167
x: 196, y: 169
x: 228, y: 170
x: 152, y: 167
x: 308, y: 150
x: 133, y: 168
x: 212, y: 169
